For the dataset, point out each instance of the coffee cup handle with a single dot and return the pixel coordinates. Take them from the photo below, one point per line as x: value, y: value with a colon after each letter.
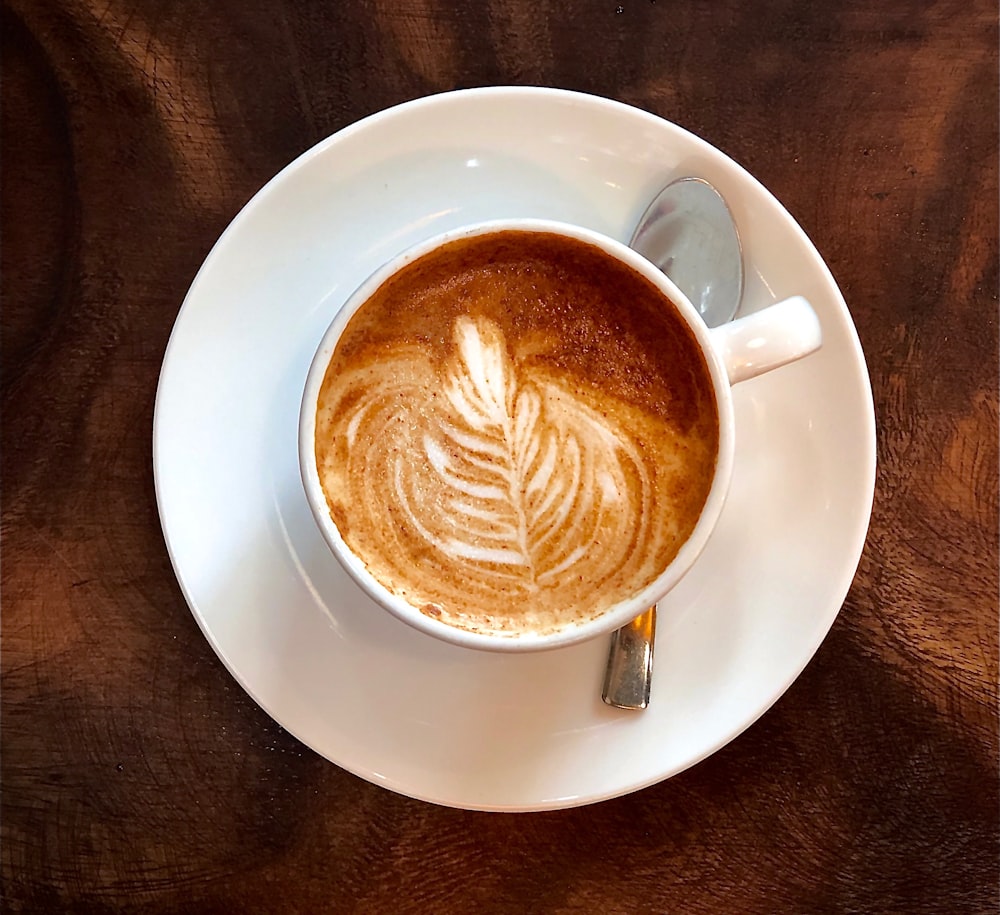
x: 768, y: 339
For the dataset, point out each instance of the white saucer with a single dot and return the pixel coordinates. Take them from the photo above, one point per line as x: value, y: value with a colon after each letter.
x: 397, y: 707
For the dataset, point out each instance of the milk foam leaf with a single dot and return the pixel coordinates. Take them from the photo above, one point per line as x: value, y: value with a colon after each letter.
x: 526, y: 460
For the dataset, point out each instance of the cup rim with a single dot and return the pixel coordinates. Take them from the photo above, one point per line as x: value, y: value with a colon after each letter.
x: 573, y: 633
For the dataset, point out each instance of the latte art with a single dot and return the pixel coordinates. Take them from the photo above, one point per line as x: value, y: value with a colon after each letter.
x: 488, y: 487
x: 528, y: 472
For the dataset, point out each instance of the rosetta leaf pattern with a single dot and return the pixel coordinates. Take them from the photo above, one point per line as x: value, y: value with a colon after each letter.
x: 528, y: 471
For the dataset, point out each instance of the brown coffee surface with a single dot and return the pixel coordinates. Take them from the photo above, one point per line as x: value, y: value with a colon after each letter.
x: 515, y: 432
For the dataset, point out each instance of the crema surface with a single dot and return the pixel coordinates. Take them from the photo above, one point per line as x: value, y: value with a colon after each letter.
x: 516, y: 432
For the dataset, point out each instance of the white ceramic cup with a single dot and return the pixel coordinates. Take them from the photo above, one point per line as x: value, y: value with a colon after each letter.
x: 734, y: 352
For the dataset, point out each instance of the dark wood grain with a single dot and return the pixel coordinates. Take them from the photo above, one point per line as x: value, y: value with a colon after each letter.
x: 136, y: 774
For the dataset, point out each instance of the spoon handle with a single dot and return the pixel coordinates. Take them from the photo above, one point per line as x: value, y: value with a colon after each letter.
x: 630, y: 663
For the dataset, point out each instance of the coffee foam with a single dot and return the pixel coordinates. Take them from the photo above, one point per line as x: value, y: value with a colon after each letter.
x: 488, y: 452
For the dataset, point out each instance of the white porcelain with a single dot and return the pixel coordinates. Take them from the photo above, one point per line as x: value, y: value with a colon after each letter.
x: 738, y: 351
x: 391, y: 704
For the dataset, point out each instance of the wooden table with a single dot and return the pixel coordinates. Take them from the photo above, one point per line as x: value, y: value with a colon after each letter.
x: 137, y: 776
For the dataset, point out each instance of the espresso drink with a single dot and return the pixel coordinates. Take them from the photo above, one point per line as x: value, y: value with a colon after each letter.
x: 515, y: 432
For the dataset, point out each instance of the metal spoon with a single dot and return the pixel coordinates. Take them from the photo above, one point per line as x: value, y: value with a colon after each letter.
x: 689, y: 232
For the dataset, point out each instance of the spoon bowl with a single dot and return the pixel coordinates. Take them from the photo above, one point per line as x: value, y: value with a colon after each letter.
x: 689, y: 232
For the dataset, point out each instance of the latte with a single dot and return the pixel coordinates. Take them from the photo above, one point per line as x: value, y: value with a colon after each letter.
x: 515, y: 432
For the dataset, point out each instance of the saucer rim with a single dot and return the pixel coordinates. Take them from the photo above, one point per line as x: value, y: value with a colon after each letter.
x: 863, y: 503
